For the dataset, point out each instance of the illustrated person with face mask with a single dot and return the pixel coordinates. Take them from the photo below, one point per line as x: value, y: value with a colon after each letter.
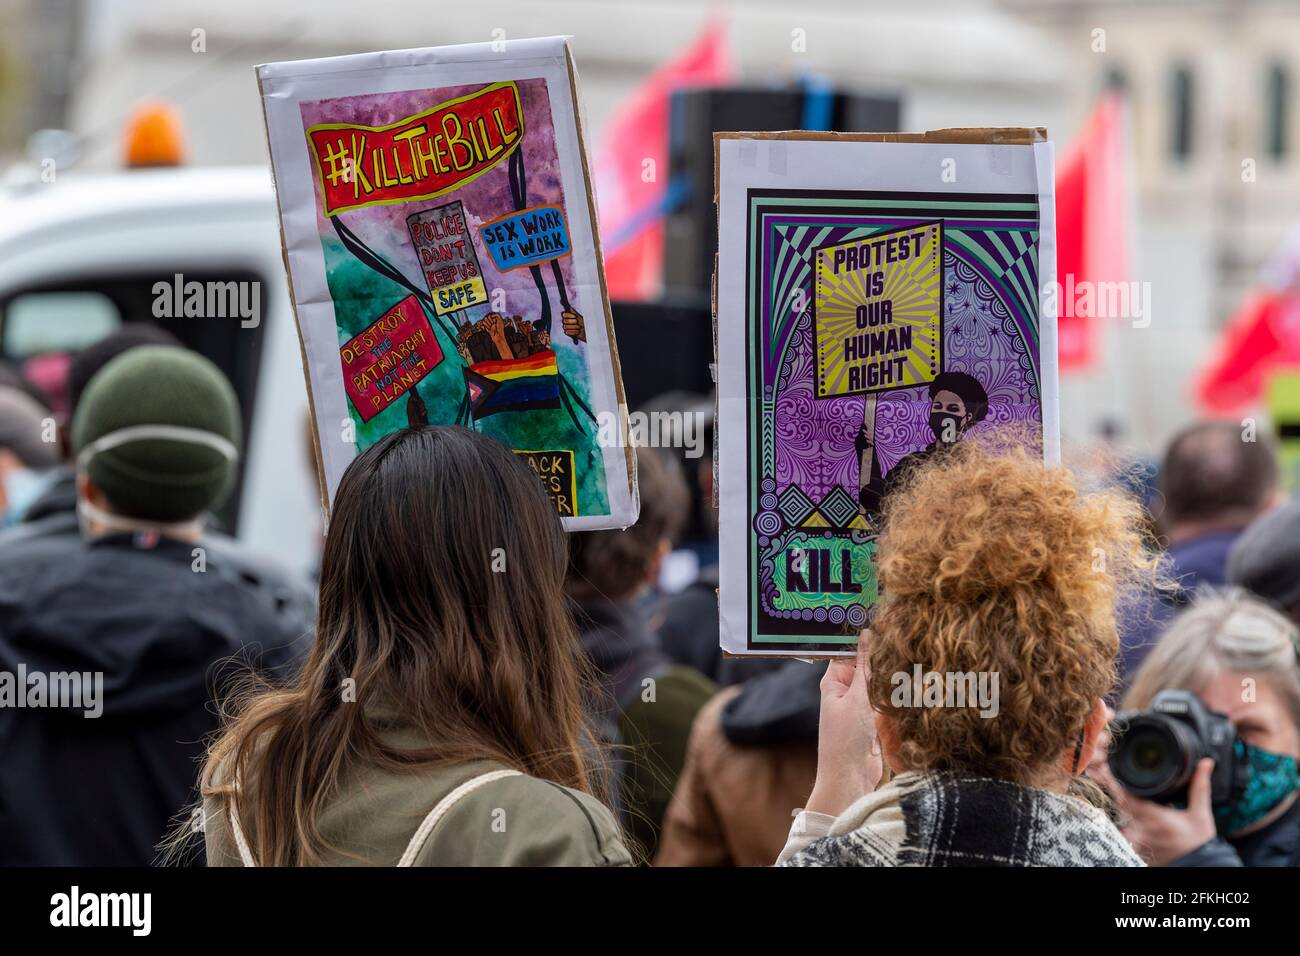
x: 1239, y: 656
x: 957, y: 401
x: 27, y: 458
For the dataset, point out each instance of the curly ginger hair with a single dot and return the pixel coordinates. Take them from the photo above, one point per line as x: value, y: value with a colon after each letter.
x: 991, y: 563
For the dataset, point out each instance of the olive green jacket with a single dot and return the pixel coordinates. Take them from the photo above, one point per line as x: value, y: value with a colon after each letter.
x: 514, y: 820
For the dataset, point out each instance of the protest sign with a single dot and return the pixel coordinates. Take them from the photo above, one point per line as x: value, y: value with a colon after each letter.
x: 437, y: 216
x: 877, y: 296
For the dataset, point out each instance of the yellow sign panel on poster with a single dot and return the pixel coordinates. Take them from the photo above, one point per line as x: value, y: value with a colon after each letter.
x: 879, y: 311
x: 453, y: 298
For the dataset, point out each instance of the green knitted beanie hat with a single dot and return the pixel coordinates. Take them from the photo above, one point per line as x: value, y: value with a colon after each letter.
x: 157, y: 431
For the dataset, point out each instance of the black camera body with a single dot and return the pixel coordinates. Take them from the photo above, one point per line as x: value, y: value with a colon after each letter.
x: 1154, y: 752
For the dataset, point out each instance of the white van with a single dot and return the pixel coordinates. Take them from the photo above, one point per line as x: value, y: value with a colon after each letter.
x: 83, y: 254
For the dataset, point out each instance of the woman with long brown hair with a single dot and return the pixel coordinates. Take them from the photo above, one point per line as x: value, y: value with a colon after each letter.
x: 439, y: 719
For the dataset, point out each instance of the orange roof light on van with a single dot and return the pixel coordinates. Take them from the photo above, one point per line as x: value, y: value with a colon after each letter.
x: 154, y: 136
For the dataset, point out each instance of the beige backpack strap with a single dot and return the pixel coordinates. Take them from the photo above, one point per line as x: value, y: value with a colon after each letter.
x: 241, y: 844
x: 437, y: 813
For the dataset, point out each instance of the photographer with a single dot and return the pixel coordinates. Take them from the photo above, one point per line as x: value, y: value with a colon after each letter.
x: 1239, y: 657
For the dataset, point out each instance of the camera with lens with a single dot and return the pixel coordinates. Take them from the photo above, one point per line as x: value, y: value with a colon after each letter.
x: 1154, y: 752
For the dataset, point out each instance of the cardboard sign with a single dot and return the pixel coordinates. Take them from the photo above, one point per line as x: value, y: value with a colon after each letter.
x: 869, y: 307
x: 436, y: 212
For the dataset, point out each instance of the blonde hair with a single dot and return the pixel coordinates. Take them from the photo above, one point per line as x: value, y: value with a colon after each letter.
x: 992, y: 563
x: 1224, y: 630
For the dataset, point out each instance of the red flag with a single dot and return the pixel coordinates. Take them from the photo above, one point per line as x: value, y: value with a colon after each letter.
x: 1092, y: 222
x: 630, y: 167
x: 1262, y: 336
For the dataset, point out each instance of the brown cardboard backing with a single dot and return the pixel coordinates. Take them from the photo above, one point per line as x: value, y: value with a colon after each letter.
x: 321, y: 485
x: 624, y: 427
x: 987, y: 135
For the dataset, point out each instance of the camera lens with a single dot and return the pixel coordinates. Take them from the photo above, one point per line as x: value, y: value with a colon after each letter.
x: 1154, y: 757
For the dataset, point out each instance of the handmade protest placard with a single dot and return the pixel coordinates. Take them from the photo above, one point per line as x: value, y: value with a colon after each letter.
x: 444, y: 265
x: 878, y: 296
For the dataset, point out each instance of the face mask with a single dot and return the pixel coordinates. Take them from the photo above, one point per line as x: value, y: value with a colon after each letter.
x: 946, y: 428
x: 22, y: 487
x: 1272, y: 778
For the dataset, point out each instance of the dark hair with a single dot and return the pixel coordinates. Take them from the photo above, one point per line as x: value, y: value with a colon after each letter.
x: 968, y: 388
x: 1210, y: 473
x: 441, y: 598
x: 612, y: 564
x: 98, y: 354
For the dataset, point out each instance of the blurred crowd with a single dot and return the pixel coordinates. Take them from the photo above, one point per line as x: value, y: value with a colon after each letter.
x: 463, y: 683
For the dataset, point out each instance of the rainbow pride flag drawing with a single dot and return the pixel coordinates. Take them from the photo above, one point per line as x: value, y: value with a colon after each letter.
x: 512, y: 385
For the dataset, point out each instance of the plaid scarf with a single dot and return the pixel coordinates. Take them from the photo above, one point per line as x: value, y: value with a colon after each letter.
x: 952, y: 820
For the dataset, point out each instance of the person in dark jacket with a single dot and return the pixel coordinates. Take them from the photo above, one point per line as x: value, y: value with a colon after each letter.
x: 1239, y: 656
x: 49, y: 522
x: 116, y: 652
x: 688, y: 630
x: 1265, y: 559
x: 646, y: 702
x: 1213, y: 483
